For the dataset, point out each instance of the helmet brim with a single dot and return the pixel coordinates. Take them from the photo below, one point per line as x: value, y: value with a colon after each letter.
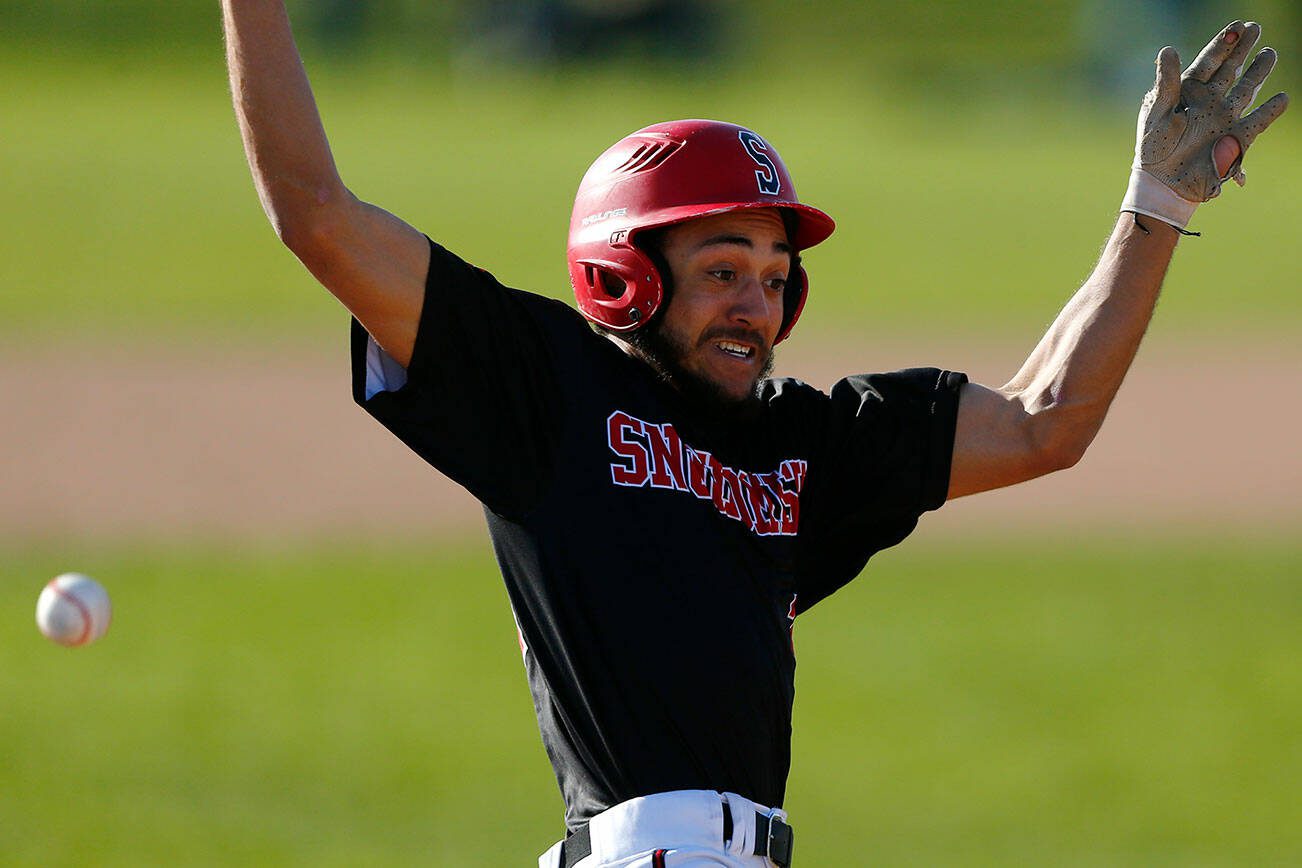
x: 812, y: 226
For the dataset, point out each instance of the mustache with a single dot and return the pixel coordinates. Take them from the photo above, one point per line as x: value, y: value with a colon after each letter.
x: 748, y: 336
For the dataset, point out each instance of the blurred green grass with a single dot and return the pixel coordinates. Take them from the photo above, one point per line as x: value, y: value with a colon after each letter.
x: 1053, y: 703
x: 134, y: 216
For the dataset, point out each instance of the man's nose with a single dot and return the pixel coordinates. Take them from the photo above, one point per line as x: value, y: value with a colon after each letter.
x: 751, y: 302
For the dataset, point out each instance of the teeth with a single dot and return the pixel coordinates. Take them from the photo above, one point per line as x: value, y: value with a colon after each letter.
x: 735, y: 349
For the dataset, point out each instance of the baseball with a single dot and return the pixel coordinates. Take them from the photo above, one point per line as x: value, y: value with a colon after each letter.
x: 73, y: 609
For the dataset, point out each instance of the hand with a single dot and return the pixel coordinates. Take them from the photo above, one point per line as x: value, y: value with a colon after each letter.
x: 1191, y: 136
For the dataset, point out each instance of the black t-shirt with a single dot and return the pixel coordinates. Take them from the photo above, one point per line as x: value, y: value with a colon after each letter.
x: 655, y: 565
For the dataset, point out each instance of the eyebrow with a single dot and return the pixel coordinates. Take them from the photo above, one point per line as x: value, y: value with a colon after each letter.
x: 741, y: 241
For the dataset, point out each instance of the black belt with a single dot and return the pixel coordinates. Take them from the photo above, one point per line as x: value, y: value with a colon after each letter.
x: 773, y: 839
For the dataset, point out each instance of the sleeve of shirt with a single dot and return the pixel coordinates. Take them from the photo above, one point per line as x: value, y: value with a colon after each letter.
x: 479, y: 397
x: 888, y: 446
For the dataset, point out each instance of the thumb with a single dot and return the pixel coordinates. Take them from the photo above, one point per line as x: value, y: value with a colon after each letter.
x: 1226, y: 155
x: 1166, y: 87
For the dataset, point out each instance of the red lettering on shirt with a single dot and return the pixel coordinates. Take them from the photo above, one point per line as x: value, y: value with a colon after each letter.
x: 765, y: 508
x: 791, y: 478
x: 768, y: 503
x: 727, y: 489
x: 627, y: 438
x: 700, y: 478
x: 666, y: 457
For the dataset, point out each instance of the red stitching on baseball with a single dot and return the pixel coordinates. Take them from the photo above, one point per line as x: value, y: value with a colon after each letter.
x: 85, y: 613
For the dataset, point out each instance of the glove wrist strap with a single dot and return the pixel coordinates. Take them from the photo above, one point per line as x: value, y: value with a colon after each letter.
x: 1147, y: 195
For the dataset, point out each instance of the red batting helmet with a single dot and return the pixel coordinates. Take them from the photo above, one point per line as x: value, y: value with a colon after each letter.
x: 665, y: 174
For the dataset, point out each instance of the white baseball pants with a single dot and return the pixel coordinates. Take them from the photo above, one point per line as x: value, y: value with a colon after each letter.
x: 681, y: 829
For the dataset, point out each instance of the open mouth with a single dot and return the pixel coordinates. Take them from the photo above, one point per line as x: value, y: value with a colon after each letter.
x: 736, y: 350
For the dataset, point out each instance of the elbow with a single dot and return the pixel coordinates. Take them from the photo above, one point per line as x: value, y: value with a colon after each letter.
x: 1058, y: 446
x: 308, y: 223
x: 1064, y: 456
x: 305, y: 238
x: 1056, y: 436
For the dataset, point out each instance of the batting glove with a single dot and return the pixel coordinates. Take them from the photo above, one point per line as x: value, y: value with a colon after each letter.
x: 1184, y: 116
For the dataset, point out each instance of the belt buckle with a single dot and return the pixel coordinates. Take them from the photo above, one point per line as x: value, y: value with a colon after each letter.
x: 777, y: 849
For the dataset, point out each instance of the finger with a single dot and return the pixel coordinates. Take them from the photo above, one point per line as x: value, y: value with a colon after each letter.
x: 1234, y: 171
x: 1246, y: 90
x: 1166, y: 87
x: 1225, y: 156
x: 1210, y: 58
x: 1238, y: 56
x: 1250, y: 126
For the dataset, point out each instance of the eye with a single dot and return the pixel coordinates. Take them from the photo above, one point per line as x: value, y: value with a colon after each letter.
x: 776, y: 284
x: 724, y: 274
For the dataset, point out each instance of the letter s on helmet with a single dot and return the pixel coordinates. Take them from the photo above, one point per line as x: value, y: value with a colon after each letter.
x: 666, y: 174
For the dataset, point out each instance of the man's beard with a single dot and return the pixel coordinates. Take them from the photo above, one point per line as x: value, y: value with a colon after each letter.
x: 665, y: 353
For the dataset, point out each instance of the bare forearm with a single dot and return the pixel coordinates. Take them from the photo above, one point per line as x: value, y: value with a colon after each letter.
x: 1190, y: 137
x: 1071, y: 377
x: 284, y: 140
x: 369, y: 259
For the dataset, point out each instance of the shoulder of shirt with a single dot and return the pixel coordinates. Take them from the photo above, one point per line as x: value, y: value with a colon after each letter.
x: 789, y: 391
x: 553, y: 311
x: 571, y: 335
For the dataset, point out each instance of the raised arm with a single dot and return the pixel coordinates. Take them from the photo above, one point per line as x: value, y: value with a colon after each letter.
x: 370, y: 260
x: 1191, y: 138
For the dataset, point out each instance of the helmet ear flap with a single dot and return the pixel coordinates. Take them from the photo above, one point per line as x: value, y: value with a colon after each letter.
x: 793, y: 300
x: 620, y: 293
x: 615, y: 286
x: 601, y: 282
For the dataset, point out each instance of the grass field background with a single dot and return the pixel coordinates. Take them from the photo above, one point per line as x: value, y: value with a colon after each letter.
x: 1071, y: 701
x: 346, y: 706
x: 134, y: 215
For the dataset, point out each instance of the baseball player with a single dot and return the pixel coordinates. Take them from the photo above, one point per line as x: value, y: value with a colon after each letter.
x: 662, y: 511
